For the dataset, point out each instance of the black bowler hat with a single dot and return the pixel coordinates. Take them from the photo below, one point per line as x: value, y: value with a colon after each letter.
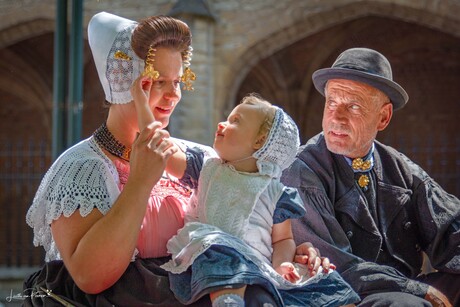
x: 366, y: 66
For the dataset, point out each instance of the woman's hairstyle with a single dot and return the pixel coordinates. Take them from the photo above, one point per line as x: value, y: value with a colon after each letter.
x: 161, y: 31
x: 120, y: 49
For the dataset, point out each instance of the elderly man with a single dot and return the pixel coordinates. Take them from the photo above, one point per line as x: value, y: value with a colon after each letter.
x: 370, y: 209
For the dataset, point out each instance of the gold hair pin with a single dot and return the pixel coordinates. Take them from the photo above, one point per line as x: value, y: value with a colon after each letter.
x: 149, y: 70
x: 189, y: 76
x: 120, y: 55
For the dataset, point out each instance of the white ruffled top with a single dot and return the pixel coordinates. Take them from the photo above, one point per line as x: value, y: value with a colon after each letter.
x: 82, y: 178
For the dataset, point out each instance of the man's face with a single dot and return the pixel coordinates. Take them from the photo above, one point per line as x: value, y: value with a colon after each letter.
x: 353, y: 114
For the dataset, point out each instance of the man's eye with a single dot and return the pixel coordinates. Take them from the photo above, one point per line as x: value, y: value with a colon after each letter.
x: 331, y: 104
x: 355, y: 107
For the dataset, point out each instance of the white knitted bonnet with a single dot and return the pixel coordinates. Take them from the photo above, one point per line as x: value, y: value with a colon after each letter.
x: 280, y: 148
x: 108, y: 34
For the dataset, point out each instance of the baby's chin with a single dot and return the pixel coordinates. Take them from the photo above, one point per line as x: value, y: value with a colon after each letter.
x: 219, y: 153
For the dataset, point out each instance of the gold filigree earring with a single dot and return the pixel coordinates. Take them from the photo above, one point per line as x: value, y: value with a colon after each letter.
x: 149, y: 70
x: 189, y: 76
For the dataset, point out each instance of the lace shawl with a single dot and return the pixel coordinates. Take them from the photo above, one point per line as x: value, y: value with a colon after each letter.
x: 82, y: 178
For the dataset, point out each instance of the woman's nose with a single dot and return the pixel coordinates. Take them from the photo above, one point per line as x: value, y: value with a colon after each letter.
x: 221, y: 125
x: 172, y: 90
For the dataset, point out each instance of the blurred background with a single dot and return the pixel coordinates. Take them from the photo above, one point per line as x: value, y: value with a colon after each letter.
x: 50, y: 96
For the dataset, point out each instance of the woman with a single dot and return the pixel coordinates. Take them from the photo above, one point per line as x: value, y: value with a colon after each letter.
x: 104, y: 206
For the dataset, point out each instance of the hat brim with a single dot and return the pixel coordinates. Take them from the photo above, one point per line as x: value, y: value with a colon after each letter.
x: 393, y: 90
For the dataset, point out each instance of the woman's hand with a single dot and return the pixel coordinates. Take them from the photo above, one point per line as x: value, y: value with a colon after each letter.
x: 150, y: 152
x: 140, y: 90
x: 307, y: 254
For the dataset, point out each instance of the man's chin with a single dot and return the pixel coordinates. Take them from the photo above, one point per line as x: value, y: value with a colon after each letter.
x: 336, y: 148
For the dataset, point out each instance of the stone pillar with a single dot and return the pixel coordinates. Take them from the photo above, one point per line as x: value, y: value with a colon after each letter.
x: 193, y: 117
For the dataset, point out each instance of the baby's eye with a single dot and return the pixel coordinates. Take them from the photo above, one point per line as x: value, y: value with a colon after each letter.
x: 234, y: 120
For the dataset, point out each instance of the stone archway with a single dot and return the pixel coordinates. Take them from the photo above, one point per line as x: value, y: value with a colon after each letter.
x: 309, y: 24
x: 26, y: 83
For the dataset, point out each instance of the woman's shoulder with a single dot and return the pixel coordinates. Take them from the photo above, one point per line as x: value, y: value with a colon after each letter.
x: 80, y: 179
x: 83, y: 159
x: 84, y: 151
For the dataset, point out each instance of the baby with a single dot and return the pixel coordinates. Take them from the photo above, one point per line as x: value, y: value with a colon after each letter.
x: 238, y: 229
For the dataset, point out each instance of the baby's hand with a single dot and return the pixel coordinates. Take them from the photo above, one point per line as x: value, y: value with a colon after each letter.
x: 140, y: 90
x: 288, y: 271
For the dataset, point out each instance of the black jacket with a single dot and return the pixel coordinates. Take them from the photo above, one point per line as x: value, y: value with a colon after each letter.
x: 414, y: 214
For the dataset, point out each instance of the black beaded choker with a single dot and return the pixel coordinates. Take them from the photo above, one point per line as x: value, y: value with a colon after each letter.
x: 106, y: 140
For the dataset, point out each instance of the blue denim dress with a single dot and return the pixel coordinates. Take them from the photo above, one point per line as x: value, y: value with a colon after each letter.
x: 221, y: 266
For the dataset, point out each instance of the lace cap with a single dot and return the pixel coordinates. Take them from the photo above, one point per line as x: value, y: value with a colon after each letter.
x: 117, y: 65
x: 280, y: 148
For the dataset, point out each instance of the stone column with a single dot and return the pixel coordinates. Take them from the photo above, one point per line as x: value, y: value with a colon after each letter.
x: 193, y: 117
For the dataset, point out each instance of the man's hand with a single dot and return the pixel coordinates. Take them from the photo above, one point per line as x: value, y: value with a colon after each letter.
x: 437, y: 298
x: 307, y: 254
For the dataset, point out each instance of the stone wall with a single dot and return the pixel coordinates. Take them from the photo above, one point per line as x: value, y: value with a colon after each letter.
x: 227, y: 48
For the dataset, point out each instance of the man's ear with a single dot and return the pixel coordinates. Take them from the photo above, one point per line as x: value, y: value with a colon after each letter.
x: 385, y: 116
x: 260, y: 141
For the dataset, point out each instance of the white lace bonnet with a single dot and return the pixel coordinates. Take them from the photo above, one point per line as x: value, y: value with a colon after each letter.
x: 109, y: 34
x: 280, y: 148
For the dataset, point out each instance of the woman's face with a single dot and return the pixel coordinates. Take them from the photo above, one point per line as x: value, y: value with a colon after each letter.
x: 165, y: 93
x: 236, y: 138
x: 352, y: 117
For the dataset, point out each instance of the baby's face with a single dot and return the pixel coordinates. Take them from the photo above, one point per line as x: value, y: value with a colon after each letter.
x: 237, y: 137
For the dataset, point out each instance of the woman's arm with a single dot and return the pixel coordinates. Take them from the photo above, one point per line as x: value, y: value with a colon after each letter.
x: 96, y: 249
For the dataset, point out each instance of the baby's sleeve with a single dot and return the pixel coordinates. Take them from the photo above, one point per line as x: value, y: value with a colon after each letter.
x: 289, y: 206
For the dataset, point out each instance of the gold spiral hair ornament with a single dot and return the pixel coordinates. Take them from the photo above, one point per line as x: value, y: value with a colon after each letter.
x: 149, y: 70
x: 189, y: 76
